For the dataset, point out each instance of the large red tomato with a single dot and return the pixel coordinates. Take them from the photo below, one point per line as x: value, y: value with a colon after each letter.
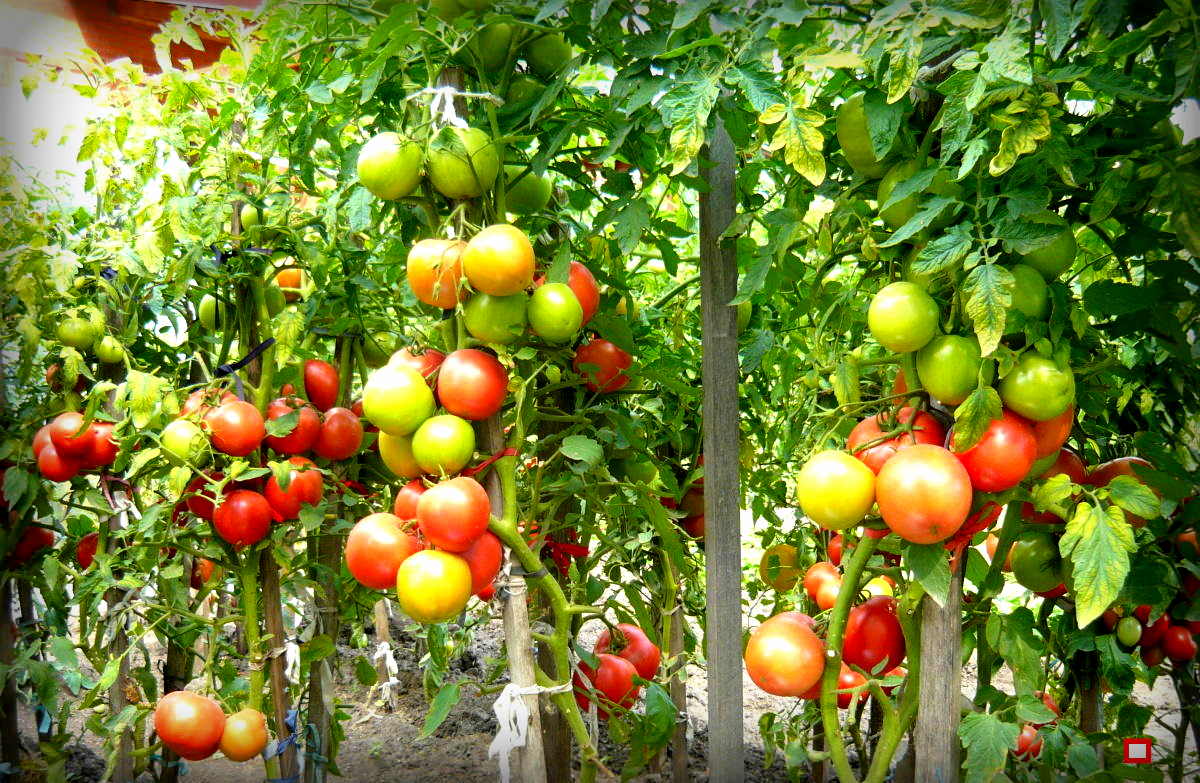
x: 405, y: 505
x: 850, y: 688
x: 454, y: 513
x: 32, y: 541
x: 485, y: 557
x: 924, y: 494
x: 376, y: 547
x: 472, y: 384
x: 243, y: 518
x: 303, y: 435
x: 1029, y: 744
x: 245, y: 735
x: 321, y: 383
x: 634, y: 646
x: 1003, y: 456
x: 1053, y: 433
x: 305, y: 487
x: 63, y: 434
x: 199, y: 402
x: 85, y: 550
x: 426, y: 362
x: 340, y: 435
x: 189, y: 724
x: 1103, y: 474
x: 603, y: 365
x: 57, y: 467
x: 818, y: 574
x: 612, y: 680
x: 104, y: 449
x: 200, y: 497
x: 434, y: 270
x: 873, y: 635
x: 784, y: 657
x: 237, y: 428
x: 41, y: 440
x: 925, y: 429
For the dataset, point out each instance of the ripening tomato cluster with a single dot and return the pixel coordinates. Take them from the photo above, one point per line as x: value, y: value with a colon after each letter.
x: 195, y: 727
x: 70, y: 444
x: 621, y: 658
x: 1158, y: 635
x: 434, y: 549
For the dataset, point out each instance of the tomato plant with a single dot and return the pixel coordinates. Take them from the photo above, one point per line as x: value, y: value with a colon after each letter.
x: 784, y: 657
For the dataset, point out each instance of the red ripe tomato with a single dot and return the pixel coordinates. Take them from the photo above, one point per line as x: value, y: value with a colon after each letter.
x: 583, y: 285
x: 472, y: 384
x: 1067, y: 462
x: 104, y: 449
x: 237, y: 428
x: 243, y: 518
x: 62, y: 434
x: 56, y: 467
x: 1029, y: 744
x: 41, y: 440
x: 340, y: 436
x: 434, y: 270
x: 633, y: 645
x: 199, y: 402
x: 189, y: 724
x: 602, y: 364
x: 426, y: 362
x: 874, y: 640
x: 32, y: 541
x: 612, y: 681
x: 818, y: 574
x: 485, y: 557
x: 1103, y: 474
x: 202, y: 572
x: 487, y: 593
x: 1003, y: 456
x: 992, y: 544
x: 304, y: 433
x: 1178, y: 643
x: 1153, y: 632
x: 925, y: 429
x: 200, y: 498
x: 828, y: 592
x: 924, y: 494
x: 783, y: 656
x: 849, y: 683
x: 454, y: 513
x: 1051, y: 705
x: 245, y: 735
x: 321, y: 383
x: 1053, y: 433
x: 407, y: 498
x: 85, y: 550
x: 1153, y: 656
x: 306, y: 487
x: 834, y: 550
x: 376, y: 547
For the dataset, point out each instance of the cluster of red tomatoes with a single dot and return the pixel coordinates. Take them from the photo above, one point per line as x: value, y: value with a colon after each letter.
x: 621, y: 658
x: 1160, y: 636
x: 69, y: 445
x: 195, y: 727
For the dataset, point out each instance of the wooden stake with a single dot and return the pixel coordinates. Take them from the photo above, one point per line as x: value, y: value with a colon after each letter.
x: 272, y: 611
x: 320, y: 677
x: 1091, y: 702
x: 10, y: 737
x: 939, y: 711
x: 722, y: 514
x: 383, y: 635
x: 679, y: 743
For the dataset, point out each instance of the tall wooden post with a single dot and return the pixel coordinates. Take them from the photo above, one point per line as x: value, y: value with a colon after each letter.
x: 939, y: 713
x: 10, y: 738
x: 1091, y: 702
x: 722, y: 515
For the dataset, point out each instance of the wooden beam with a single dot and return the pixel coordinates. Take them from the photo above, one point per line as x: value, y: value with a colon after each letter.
x: 722, y: 512
x: 939, y: 712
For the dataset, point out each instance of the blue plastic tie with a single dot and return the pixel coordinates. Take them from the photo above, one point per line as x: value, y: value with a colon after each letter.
x: 43, y: 718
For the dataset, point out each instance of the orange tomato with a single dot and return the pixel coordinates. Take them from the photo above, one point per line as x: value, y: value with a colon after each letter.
x: 435, y: 272
x: 499, y: 260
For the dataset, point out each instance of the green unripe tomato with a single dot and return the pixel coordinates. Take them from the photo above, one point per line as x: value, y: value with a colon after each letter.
x: 1030, y: 296
x: 948, y: 367
x: 854, y: 136
x: 524, y: 88
x: 397, y: 400
x: 1129, y: 631
x: 496, y: 319
x: 76, y: 332
x: 208, y: 310
x: 1058, y: 256
x: 462, y: 162
x: 1037, y: 388
x: 446, y: 10
x: 529, y: 194
x: 903, y: 210
x: 109, y: 349
x: 636, y: 469
x: 1036, y: 564
x: 744, y: 311
x: 902, y: 317
x: 491, y: 43
x: 275, y: 299
x: 555, y: 314
x: 443, y: 445
x: 378, y: 348
x: 183, y: 442
x: 547, y: 53
x: 389, y: 166
x: 835, y: 490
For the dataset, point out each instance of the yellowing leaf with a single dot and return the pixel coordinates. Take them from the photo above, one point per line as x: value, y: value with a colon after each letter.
x: 988, y: 292
x: 1098, y: 542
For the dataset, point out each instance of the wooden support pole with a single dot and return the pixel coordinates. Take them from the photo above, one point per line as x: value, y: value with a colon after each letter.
x: 320, y: 678
x: 722, y: 514
x: 939, y: 710
x: 679, y: 743
x: 272, y: 611
x: 383, y: 635
x: 1091, y: 702
x: 10, y: 737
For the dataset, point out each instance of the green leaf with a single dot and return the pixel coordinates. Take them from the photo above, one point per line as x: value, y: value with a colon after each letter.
x: 287, y: 328
x: 1109, y: 297
x: 945, y: 252
x: 630, y: 223
x: 930, y: 564
x: 16, y: 481
x: 1185, y: 217
x: 687, y: 12
x: 1024, y: 236
x: 883, y: 122
x: 582, y: 448
x: 1031, y: 709
x: 685, y: 109
x: 1022, y: 132
x: 143, y: 391
x: 846, y: 388
x: 1123, y: 86
x: 316, y: 648
x: 1007, y: 59
x: 1053, y: 492
x: 905, y: 52
x: 1116, y: 665
x: 988, y: 741
x: 107, y: 677
x: 659, y: 726
x: 447, y: 696
x: 988, y: 293
x: 319, y: 92
x: 1098, y: 541
x: 1133, y: 496
x: 929, y: 212
x: 917, y: 183
x: 968, y: 13
x: 974, y: 415
x: 971, y: 155
x: 1013, y: 636
x: 364, y: 672
x: 64, y: 267
x: 760, y: 87
x: 1060, y: 25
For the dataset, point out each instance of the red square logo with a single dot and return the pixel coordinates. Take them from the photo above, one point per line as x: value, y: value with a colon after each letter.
x: 1137, y: 751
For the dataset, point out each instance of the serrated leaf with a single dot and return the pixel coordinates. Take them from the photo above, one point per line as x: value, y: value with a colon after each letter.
x: 917, y: 183
x: 945, y: 252
x: 1060, y: 25
x: 286, y: 329
x: 930, y: 210
x: 1053, y: 492
x: 1007, y: 59
x: 16, y: 481
x: 364, y: 672
x: 687, y: 12
x: 905, y: 59
x: 1021, y: 135
x: 1185, y: 217
x: 988, y: 293
x: 685, y: 109
x: 930, y: 565
x: 316, y: 648
x: 883, y: 123
x: 282, y: 426
x: 988, y: 741
x: 1031, y: 709
x: 974, y: 415
x: 107, y: 677
x: 1098, y: 541
x: 631, y: 221
x: 1014, y: 637
x: 178, y: 479
x: 971, y: 155
x: 846, y: 388
x: 64, y: 266
x: 1109, y: 297
x: 798, y: 134
x: 447, y: 696
x: 760, y: 88
x: 1133, y: 496
x: 659, y: 726
x: 142, y: 392
x: 1116, y: 665
x: 582, y: 448
x: 1024, y: 236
